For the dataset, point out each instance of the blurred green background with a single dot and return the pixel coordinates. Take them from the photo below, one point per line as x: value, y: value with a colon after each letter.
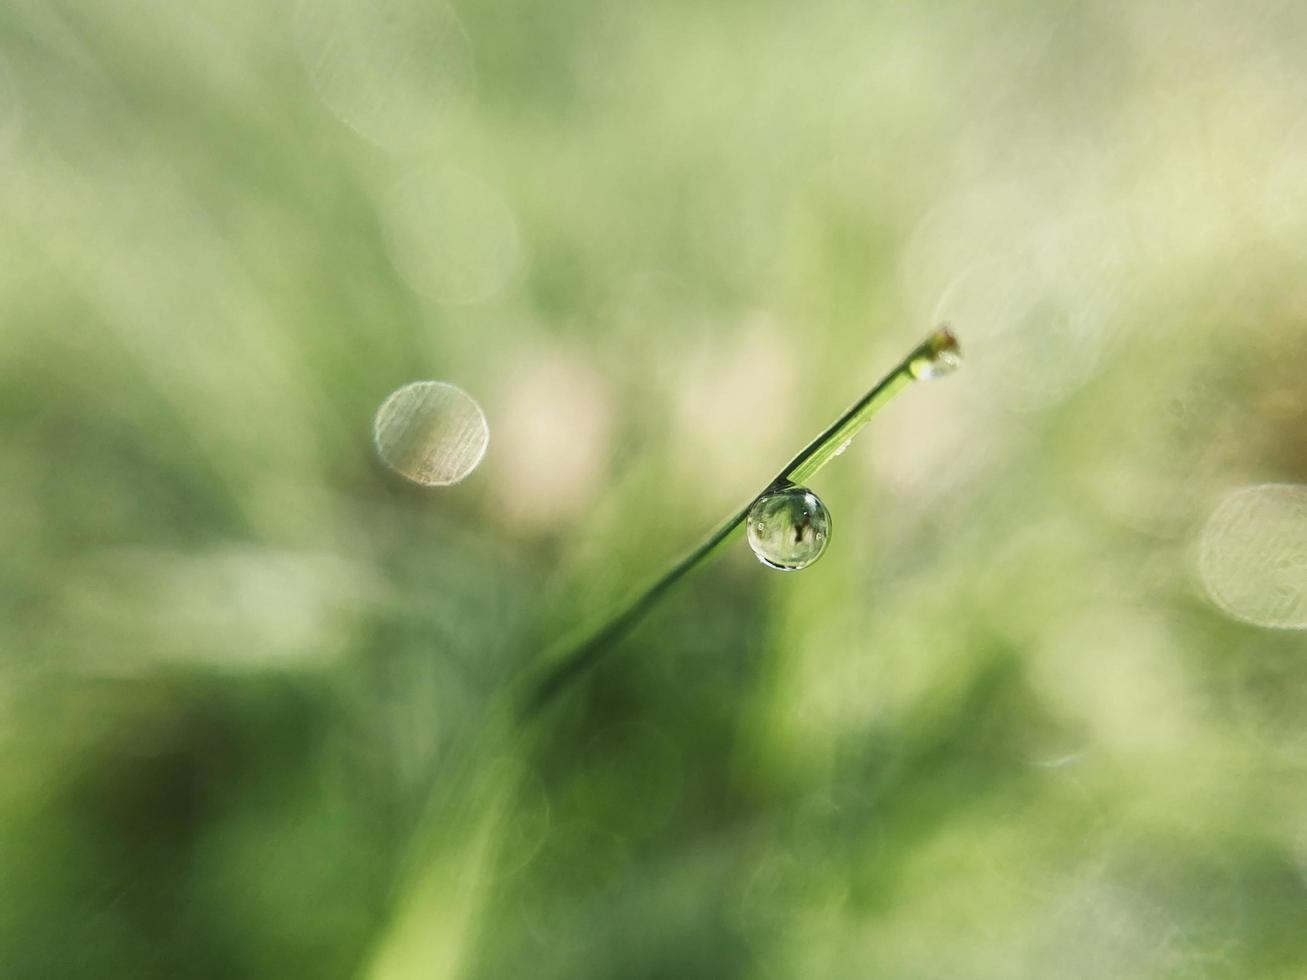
x: 1038, y: 712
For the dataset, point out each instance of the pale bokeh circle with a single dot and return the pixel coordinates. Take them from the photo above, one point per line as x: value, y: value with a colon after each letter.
x: 393, y: 71
x: 554, y: 428
x: 1253, y: 556
x: 1039, y: 334
x: 1032, y: 276
x: 431, y: 432
x: 451, y: 236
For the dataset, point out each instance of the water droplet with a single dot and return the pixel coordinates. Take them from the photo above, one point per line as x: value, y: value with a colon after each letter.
x: 940, y: 355
x: 788, y: 528
x: 431, y: 432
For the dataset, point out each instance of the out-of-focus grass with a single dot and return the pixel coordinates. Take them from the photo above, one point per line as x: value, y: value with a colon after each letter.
x: 247, y: 679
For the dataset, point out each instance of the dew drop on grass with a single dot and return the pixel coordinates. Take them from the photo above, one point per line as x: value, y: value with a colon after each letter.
x: 431, y: 432
x: 941, y: 356
x: 788, y: 528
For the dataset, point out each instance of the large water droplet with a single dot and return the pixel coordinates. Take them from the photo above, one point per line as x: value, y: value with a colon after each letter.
x: 788, y: 528
x: 431, y: 432
x: 940, y: 355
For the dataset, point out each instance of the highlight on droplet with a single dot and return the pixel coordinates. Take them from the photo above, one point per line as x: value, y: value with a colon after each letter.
x: 431, y: 432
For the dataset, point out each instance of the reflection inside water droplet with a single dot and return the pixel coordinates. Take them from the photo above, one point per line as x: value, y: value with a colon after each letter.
x: 788, y: 528
x: 431, y: 432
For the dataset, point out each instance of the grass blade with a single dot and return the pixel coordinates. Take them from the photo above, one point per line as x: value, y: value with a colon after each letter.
x: 937, y: 354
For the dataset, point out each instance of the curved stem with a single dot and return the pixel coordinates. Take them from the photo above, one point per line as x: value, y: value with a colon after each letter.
x: 937, y: 354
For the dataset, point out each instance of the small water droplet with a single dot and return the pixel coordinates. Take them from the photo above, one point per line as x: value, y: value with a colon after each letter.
x: 431, y: 432
x: 843, y: 446
x: 940, y: 355
x: 788, y: 528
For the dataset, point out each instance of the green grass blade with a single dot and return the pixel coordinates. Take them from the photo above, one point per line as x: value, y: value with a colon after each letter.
x: 938, y: 353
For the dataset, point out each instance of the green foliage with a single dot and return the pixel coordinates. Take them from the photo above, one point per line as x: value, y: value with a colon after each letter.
x: 254, y: 690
